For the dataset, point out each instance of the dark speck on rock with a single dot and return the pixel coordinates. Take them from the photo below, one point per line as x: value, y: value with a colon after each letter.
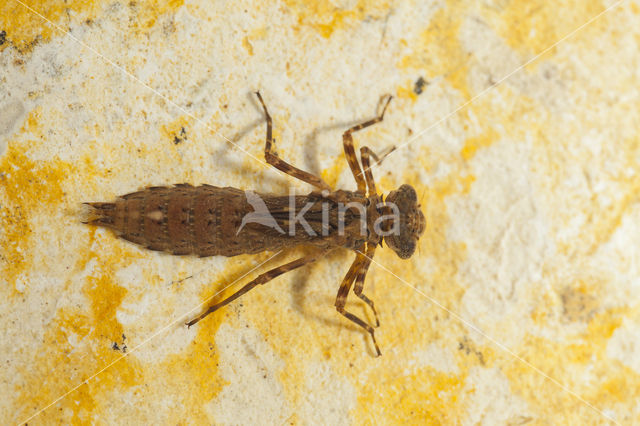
x: 3, y: 37
x: 180, y: 137
x: 419, y: 85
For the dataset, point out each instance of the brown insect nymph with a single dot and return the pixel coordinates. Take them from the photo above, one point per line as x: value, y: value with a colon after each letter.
x: 213, y: 221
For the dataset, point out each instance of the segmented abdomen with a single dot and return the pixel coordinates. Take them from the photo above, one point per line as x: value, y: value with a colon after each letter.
x: 180, y: 220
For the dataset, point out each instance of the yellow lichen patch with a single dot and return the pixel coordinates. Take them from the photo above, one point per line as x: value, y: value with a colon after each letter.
x: 331, y: 174
x: 533, y: 26
x: 438, y: 51
x: 199, y: 380
x: 255, y: 34
x: 575, y: 300
x: 600, y: 214
x: 105, y: 297
x: 424, y: 396
x: 621, y: 385
x: 447, y: 255
x: 177, y: 130
x: 547, y: 303
x: 472, y: 145
x: 247, y: 45
x: 24, y: 27
x: 604, y: 224
x: 406, y: 92
x: 580, y: 300
x: 325, y: 17
x: 147, y: 12
x: 29, y: 188
x: 581, y: 365
x: 78, y: 344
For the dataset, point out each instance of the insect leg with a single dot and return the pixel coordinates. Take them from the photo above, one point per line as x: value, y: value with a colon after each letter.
x: 380, y: 158
x: 272, y: 158
x: 341, y: 298
x: 260, y: 279
x: 362, y: 273
x: 365, y: 153
x: 349, y: 151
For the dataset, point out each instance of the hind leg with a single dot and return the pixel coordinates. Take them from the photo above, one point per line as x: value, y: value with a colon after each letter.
x: 261, y: 279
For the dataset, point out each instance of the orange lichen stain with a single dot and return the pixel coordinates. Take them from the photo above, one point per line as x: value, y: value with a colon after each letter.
x: 24, y: 27
x: 580, y: 300
x: 424, y: 396
x: 199, y: 381
x: 569, y: 300
x: 547, y: 303
x: 331, y: 174
x: 247, y: 45
x: 177, y: 130
x: 29, y: 188
x: 147, y: 12
x: 438, y: 51
x: 447, y: 255
x: 608, y: 218
x: 603, y: 213
x: 325, y: 17
x: 532, y: 26
x: 406, y: 92
x: 78, y: 344
x: 622, y: 385
x: 472, y: 145
x: 255, y: 34
x: 581, y: 364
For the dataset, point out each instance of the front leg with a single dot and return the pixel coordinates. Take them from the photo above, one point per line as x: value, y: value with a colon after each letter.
x: 272, y: 158
x: 350, y: 153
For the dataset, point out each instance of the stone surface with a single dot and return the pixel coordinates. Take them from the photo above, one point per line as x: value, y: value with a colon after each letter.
x: 525, y: 303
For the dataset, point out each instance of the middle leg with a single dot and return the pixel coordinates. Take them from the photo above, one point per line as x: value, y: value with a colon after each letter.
x: 272, y: 158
